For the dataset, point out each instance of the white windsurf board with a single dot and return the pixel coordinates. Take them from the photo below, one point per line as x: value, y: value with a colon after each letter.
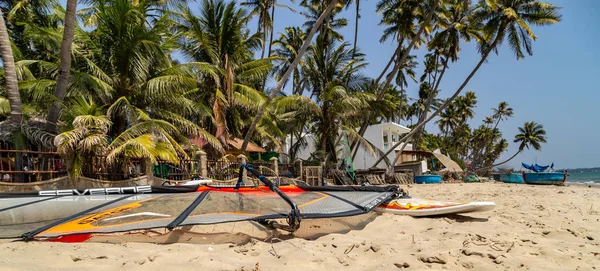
x: 428, y: 207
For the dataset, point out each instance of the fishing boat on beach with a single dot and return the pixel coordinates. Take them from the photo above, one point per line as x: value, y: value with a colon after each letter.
x: 538, y: 175
x: 511, y: 178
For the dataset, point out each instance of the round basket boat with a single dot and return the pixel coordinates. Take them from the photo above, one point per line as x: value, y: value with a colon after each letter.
x: 428, y: 179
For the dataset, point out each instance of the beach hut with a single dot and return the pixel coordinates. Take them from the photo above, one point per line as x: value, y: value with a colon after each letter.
x: 232, y: 146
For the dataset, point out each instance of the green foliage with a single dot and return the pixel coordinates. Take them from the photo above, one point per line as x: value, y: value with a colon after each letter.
x: 532, y: 134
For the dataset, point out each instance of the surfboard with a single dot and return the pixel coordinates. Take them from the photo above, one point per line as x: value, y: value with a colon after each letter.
x: 428, y: 207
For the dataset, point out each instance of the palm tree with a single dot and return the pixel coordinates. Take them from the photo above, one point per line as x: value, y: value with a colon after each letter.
x: 485, y: 146
x: 399, y: 18
x: 481, y: 144
x: 275, y: 4
x: 218, y: 40
x: 407, y: 71
x: 324, y: 65
x: 10, y: 75
x: 448, y: 120
x: 18, y: 14
x: 288, y: 45
x: 532, y: 134
x: 426, y: 91
x: 86, y: 135
x: 465, y: 106
x: 127, y: 67
x: 454, y: 20
x: 328, y: 30
x: 459, y: 139
x: 334, y: 75
x: 153, y: 99
x: 488, y: 121
x: 504, y: 111
x: 487, y: 141
x: 399, y: 99
x: 65, y: 65
x: 456, y: 24
x: 285, y: 76
x: 503, y: 19
x: 415, y: 11
x: 496, y: 151
x: 261, y: 9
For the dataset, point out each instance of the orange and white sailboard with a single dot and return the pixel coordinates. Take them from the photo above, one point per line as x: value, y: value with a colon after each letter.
x: 428, y: 207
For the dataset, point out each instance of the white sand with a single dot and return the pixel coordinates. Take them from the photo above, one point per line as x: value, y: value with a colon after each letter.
x: 532, y: 228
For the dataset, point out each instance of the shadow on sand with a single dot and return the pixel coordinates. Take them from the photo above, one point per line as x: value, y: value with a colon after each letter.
x: 457, y: 218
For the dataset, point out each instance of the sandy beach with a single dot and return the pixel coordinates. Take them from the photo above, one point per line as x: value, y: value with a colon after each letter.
x: 532, y: 228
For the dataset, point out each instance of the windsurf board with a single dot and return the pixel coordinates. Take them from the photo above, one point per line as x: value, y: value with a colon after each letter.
x: 428, y: 207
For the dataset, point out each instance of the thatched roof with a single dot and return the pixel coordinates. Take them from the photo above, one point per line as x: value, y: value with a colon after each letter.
x: 232, y: 144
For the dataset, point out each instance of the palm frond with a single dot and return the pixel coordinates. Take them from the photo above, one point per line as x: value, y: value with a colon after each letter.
x: 122, y: 108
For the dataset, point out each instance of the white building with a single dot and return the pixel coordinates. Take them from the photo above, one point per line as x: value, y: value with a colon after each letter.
x: 383, y: 136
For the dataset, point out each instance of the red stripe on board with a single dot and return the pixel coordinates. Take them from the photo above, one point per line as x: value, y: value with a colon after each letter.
x: 77, y: 238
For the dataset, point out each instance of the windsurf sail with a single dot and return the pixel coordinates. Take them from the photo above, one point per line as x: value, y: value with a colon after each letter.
x: 56, y: 213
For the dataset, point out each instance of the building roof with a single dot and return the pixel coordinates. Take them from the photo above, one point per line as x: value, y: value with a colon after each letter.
x: 232, y: 144
x: 236, y: 143
x: 394, y: 127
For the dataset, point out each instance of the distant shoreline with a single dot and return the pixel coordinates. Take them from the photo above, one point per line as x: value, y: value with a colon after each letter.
x: 582, y: 170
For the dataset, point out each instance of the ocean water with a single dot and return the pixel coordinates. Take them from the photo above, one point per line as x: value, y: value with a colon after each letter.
x: 584, y: 177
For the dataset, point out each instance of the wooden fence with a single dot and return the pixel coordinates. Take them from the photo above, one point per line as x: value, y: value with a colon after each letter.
x: 98, y: 168
x: 313, y: 175
x: 24, y: 166
x: 184, y: 170
x: 222, y: 169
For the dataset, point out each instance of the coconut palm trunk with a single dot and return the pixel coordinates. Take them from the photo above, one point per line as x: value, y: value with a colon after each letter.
x: 264, y: 85
x: 499, y: 164
x: 65, y: 66
x: 397, y: 65
x: 497, y: 122
x: 264, y: 40
x: 10, y: 74
x: 287, y: 73
x: 272, y: 29
x: 357, y: 16
x: 447, y: 103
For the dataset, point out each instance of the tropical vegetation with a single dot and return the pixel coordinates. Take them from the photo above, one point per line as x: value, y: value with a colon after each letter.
x: 126, y: 79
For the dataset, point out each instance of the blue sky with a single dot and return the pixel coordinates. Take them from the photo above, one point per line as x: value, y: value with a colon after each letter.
x: 553, y: 87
